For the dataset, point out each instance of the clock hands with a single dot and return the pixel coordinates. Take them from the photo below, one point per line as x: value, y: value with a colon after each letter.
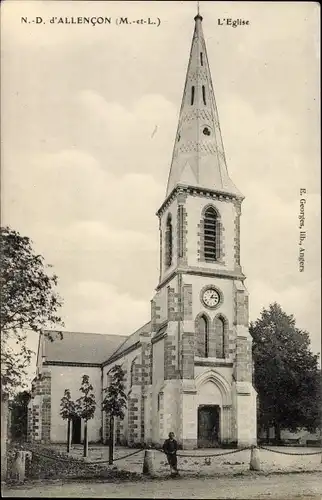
x: 211, y: 298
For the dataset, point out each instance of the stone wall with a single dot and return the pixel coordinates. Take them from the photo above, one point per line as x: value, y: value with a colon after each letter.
x: 188, y: 357
x: 39, y: 409
x: 182, y: 231
x: 134, y: 419
x: 170, y: 356
x: 146, y: 403
x: 244, y: 365
x: 245, y: 404
x: 134, y: 401
x: 46, y: 407
x: 136, y: 428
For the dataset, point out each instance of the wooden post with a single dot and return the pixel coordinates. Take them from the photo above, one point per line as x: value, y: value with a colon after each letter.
x: 85, y: 439
x: 71, y: 433
x: 4, y: 435
x: 148, y: 468
x: 254, y: 459
x: 68, y: 435
x: 111, y: 441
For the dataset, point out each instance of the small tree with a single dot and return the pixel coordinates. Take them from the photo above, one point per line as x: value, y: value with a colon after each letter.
x: 85, y: 407
x: 114, y: 402
x: 67, y: 412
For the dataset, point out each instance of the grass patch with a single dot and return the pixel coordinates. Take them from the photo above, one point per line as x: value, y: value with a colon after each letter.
x: 50, y: 464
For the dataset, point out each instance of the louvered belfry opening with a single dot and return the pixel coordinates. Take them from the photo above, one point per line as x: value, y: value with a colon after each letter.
x: 210, y: 234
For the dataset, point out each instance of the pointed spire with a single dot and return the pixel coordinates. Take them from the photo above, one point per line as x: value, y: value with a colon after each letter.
x: 198, y: 155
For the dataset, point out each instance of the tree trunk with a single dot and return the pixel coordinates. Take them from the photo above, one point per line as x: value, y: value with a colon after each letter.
x: 277, y: 433
x: 68, y: 434
x: 4, y: 435
x: 85, y: 439
x: 111, y: 442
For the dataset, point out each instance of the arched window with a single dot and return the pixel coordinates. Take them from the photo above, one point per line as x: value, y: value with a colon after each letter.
x: 202, y: 336
x: 211, y: 236
x: 168, y: 242
x: 220, y: 337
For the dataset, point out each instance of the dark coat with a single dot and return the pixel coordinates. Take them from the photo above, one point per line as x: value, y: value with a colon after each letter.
x: 170, y: 446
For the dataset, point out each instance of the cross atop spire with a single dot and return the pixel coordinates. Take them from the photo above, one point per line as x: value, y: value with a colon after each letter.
x: 198, y: 155
x: 198, y: 12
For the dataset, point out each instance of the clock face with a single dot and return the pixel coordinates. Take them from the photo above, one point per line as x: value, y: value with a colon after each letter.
x: 211, y: 297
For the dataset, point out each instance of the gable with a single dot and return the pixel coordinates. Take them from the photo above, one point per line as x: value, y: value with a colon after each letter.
x: 130, y: 341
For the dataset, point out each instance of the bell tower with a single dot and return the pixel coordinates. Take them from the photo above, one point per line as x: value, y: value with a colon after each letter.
x: 201, y: 343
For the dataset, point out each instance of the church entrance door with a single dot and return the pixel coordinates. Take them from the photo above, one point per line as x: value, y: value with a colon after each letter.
x: 208, y: 426
x: 76, y: 430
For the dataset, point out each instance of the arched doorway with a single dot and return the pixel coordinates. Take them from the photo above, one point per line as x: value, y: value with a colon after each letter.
x: 208, y: 426
x: 213, y: 408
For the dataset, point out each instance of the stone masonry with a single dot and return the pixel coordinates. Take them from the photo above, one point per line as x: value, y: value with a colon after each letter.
x: 39, y: 409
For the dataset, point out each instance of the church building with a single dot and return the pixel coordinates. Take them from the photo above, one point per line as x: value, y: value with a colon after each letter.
x: 189, y: 369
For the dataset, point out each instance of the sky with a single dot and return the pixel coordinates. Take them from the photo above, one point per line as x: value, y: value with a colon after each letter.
x: 84, y: 171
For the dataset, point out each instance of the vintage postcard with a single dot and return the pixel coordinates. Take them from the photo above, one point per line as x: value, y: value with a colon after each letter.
x: 164, y: 159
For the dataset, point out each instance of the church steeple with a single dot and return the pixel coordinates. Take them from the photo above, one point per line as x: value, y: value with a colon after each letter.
x: 198, y: 156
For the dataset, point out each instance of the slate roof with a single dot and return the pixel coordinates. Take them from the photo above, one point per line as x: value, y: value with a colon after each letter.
x: 76, y: 347
x: 132, y: 339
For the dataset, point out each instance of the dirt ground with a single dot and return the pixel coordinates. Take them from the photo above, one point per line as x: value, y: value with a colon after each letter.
x: 250, y: 486
x: 227, y: 464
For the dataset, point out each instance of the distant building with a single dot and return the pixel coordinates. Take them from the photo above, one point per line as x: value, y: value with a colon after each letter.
x: 189, y: 369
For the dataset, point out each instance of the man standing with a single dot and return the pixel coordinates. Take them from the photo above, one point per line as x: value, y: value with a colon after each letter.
x: 170, y: 448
